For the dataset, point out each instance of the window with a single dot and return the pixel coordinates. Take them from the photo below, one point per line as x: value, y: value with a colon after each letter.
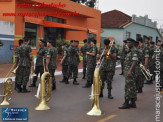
x: 54, y: 19
x: 138, y: 36
x: 128, y: 34
x: 31, y: 33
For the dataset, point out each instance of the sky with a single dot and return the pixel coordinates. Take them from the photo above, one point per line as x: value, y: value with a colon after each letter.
x: 152, y: 8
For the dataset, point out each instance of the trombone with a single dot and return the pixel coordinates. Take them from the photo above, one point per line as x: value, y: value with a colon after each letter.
x: 146, y: 73
x: 8, y: 86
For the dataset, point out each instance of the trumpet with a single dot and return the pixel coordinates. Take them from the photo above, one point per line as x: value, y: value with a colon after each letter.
x: 146, y: 73
x: 108, y: 53
x: 14, y: 71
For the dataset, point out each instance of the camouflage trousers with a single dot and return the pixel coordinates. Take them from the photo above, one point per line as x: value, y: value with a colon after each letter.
x: 122, y: 64
x: 64, y: 70
x: 23, y: 77
x: 139, y: 80
x: 106, y: 76
x: 52, y: 72
x: 72, y: 69
x: 84, y: 67
x: 130, y: 88
x: 90, y: 73
x: 38, y: 69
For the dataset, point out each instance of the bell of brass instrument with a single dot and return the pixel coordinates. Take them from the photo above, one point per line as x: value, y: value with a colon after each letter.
x: 145, y: 72
x: 8, y: 86
x: 14, y: 71
x: 108, y: 53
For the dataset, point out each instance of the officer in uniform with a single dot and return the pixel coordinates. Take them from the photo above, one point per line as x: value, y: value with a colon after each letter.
x: 25, y: 58
x: 123, y: 56
x: 83, y: 50
x: 78, y: 58
x: 72, y: 63
x: 91, y: 63
x: 17, y: 61
x: 64, y: 62
x: 107, y: 68
x: 151, y: 62
x: 130, y: 86
x: 116, y: 50
x: 51, y: 61
x: 41, y: 55
x: 145, y: 51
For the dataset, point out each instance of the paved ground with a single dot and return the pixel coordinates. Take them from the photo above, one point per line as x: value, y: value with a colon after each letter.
x: 70, y: 103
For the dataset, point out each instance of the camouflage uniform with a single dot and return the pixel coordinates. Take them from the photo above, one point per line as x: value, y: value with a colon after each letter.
x: 130, y: 85
x: 91, y: 64
x: 65, y: 63
x: 83, y: 50
x: 24, y: 64
x: 116, y: 50
x: 78, y: 59
x: 107, y: 70
x: 52, y: 54
x: 72, y: 62
x: 151, y: 62
x: 123, y: 55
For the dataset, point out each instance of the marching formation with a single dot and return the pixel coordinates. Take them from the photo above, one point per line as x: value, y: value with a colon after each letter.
x: 137, y: 63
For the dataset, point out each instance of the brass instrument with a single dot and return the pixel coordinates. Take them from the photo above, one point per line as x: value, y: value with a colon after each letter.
x: 8, y: 86
x: 14, y: 71
x: 44, y: 90
x: 145, y: 72
x: 108, y: 53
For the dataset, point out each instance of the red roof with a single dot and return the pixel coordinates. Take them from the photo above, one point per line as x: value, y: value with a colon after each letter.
x: 114, y: 19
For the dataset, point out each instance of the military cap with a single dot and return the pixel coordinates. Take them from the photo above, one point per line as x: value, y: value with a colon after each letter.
x: 152, y: 42
x: 106, y: 41
x: 130, y: 40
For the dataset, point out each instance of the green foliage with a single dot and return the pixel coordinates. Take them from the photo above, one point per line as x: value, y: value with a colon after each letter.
x: 1, y: 43
x: 59, y: 43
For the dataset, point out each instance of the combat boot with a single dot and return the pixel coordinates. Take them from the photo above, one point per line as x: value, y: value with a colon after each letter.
x: 101, y: 93
x: 83, y: 76
x: 66, y: 81
x: 140, y: 90
x: 54, y: 86
x: 109, y: 94
x: 75, y: 82
x: 133, y: 104
x: 18, y: 88
x: 63, y: 80
x: 87, y: 84
x: 125, y: 105
x: 34, y: 82
x: 24, y: 90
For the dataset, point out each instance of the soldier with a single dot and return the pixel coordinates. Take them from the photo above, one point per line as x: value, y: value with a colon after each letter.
x: 78, y: 58
x: 116, y: 50
x: 145, y: 51
x: 64, y: 62
x: 72, y: 63
x: 51, y: 61
x: 39, y: 68
x: 25, y: 58
x: 17, y: 61
x: 107, y: 68
x: 130, y: 86
x: 123, y: 53
x: 91, y: 63
x: 83, y: 50
x: 151, y: 62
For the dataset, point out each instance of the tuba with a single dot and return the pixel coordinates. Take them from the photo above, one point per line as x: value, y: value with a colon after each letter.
x: 8, y: 86
x: 44, y: 90
x: 146, y: 73
x: 108, y: 53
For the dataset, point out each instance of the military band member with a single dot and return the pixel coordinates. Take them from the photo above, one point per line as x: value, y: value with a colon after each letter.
x: 83, y: 50
x: 116, y: 50
x: 51, y: 61
x: 17, y: 61
x: 41, y: 55
x: 91, y: 63
x: 130, y: 86
x: 145, y: 51
x: 107, y: 68
x: 72, y: 63
x: 123, y: 55
x: 25, y: 59
x: 64, y: 62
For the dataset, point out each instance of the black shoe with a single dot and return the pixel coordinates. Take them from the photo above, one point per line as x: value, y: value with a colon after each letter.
x: 146, y: 82
x: 24, y: 90
x: 54, y: 86
x: 66, y: 81
x: 133, y: 104
x: 32, y: 85
x: 140, y: 90
x: 101, y: 93
x: 62, y: 81
x: 83, y: 77
x: 109, y: 94
x: 121, y: 74
x: 125, y: 105
x: 86, y: 85
x: 75, y: 82
x: 18, y: 88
